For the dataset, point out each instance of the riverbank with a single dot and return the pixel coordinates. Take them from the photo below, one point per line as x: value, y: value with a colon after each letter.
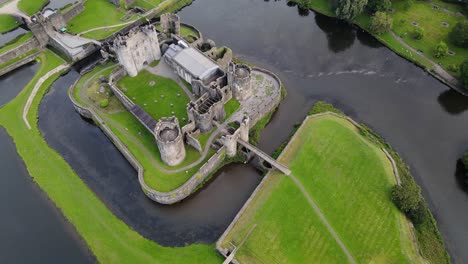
x: 110, y: 239
x: 420, y: 52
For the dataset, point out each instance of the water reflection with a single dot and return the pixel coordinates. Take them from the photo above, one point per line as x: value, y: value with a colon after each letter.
x: 461, y: 175
x: 452, y: 102
x: 340, y: 34
x: 11, y: 35
x: 367, y: 40
x: 13, y: 82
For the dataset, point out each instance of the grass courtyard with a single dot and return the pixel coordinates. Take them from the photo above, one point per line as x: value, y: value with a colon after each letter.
x: 350, y: 180
x: 108, y: 237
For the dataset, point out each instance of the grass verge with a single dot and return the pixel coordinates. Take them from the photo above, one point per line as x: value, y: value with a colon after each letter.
x: 30, y: 7
x: 7, y: 23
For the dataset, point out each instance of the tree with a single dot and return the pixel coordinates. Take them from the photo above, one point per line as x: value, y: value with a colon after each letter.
x: 407, y: 196
x: 104, y: 103
x: 349, y: 9
x: 464, y: 79
x: 378, y: 5
x: 381, y: 23
x: 459, y: 34
x: 441, y: 50
x: 418, y: 33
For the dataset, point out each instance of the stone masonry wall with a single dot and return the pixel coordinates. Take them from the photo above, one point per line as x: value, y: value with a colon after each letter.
x: 19, y: 63
x: 171, y: 197
x: 20, y: 50
x: 73, y: 11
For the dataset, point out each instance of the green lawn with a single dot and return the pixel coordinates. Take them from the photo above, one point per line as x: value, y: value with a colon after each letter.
x: 92, y: 17
x: 110, y: 239
x: 231, y: 107
x: 185, y: 31
x: 350, y: 180
x: 16, y: 42
x: 159, y: 100
x: 431, y: 21
x: 31, y: 7
x: 147, y: 4
x: 7, y: 23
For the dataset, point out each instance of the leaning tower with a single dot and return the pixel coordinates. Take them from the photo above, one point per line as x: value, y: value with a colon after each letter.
x: 170, y: 141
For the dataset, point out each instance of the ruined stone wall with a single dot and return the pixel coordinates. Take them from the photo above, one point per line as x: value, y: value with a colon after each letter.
x: 73, y: 11
x: 192, y: 141
x: 20, y: 50
x: 137, y: 49
x: 170, y: 141
x: 126, y: 2
x: 240, y: 81
x: 19, y: 63
x: 170, y: 24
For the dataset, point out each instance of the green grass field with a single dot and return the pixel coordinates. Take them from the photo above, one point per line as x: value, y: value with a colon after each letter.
x: 160, y: 100
x: 430, y: 20
x: 350, y: 180
x: 7, y: 23
x: 110, y: 239
x: 92, y: 17
x: 30, y: 7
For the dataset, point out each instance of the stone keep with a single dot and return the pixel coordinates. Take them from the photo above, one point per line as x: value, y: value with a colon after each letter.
x: 137, y: 49
x: 170, y: 23
x: 240, y: 81
x: 230, y: 141
x: 170, y: 141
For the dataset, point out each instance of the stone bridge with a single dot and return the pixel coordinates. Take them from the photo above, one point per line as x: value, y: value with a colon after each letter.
x: 265, y: 157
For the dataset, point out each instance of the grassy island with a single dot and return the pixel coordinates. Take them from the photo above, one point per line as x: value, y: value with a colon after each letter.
x: 350, y: 179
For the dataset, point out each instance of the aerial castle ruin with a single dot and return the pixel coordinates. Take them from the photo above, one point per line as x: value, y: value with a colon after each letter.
x: 214, y: 78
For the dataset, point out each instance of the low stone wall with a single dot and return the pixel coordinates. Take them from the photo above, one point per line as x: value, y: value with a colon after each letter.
x: 267, y: 107
x: 76, y: 9
x: 20, y: 63
x: 20, y: 50
x: 161, y: 197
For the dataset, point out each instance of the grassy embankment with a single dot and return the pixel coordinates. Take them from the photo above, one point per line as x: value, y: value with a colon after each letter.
x: 428, y: 18
x: 92, y: 17
x: 110, y: 239
x: 147, y: 4
x: 350, y: 179
x: 7, y: 23
x: 135, y: 136
x: 30, y: 7
x: 430, y: 241
x: 22, y: 56
x: 16, y: 42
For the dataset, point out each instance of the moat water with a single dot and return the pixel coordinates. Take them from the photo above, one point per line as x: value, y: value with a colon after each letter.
x: 32, y: 228
x: 317, y: 58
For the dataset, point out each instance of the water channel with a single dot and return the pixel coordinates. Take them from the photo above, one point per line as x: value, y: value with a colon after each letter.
x: 33, y: 229
x: 317, y: 58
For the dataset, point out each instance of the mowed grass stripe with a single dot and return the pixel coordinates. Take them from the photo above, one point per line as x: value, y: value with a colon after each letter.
x: 350, y: 179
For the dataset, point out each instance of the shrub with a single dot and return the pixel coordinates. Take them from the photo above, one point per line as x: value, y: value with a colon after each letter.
x: 381, y: 23
x: 349, y: 9
x: 104, y: 103
x: 464, y: 74
x: 459, y: 34
x: 441, y: 50
x: 378, y: 5
x: 408, y: 4
x: 453, y: 68
x: 407, y: 196
x: 418, y: 33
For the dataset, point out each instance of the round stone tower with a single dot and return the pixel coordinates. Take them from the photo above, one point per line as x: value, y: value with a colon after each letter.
x: 170, y: 141
x: 170, y: 23
x: 240, y: 81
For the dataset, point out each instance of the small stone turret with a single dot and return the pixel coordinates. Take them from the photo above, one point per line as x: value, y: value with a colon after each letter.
x: 230, y: 140
x: 170, y: 141
x: 240, y: 81
x: 170, y: 23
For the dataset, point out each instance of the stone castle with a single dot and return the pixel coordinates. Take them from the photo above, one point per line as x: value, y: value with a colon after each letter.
x: 214, y: 81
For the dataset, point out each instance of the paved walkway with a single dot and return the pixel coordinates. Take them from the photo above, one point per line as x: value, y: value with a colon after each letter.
x: 443, y: 9
x: 36, y: 89
x: 322, y: 217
